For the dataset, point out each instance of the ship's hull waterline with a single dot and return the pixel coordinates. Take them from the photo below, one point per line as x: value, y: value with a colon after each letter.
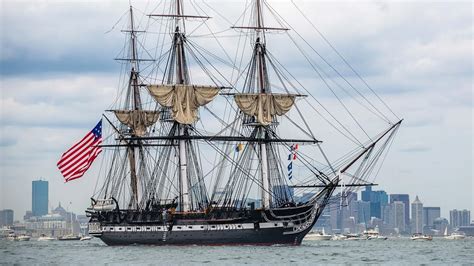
x: 265, y: 230
x: 263, y: 236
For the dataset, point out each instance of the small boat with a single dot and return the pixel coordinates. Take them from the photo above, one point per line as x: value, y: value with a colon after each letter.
x: 23, y: 238
x: 456, y: 235
x: 374, y: 234
x: 338, y: 237
x: 69, y: 237
x: 5, y: 232
x: 12, y: 237
x: 45, y: 238
x: 419, y: 236
x: 354, y: 237
x: 84, y: 238
x: 317, y: 235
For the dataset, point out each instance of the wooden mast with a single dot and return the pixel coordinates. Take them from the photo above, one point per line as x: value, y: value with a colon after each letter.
x: 262, y: 76
x: 136, y: 105
x: 181, y: 78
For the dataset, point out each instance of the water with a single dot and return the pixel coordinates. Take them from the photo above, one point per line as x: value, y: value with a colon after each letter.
x: 391, y: 251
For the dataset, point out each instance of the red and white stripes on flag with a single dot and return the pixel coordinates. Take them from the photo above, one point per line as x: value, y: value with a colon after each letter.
x: 75, y: 161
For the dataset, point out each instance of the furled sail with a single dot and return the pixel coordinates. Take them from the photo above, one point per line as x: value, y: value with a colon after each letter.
x: 137, y: 120
x: 184, y: 100
x: 264, y: 105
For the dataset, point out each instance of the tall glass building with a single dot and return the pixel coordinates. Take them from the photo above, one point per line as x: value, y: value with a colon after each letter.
x: 39, y: 198
x: 405, y: 198
x: 6, y: 217
x: 377, y: 200
x: 417, y: 216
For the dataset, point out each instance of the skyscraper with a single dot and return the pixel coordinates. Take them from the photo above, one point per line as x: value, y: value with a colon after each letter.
x: 398, y: 218
x: 459, y: 218
x: 6, y: 217
x: 417, y: 216
x: 430, y: 214
x: 39, y: 198
x: 363, y: 211
x: 377, y: 199
x: 405, y: 198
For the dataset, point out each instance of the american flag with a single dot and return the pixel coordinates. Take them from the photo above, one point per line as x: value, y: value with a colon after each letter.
x: 75, y: 161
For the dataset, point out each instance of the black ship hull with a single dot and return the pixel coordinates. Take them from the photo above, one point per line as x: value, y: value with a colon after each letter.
x: 286, y: 226
x: 267, y: 236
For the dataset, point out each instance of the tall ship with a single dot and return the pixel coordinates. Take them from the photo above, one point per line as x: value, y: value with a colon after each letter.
x: 198, y: 152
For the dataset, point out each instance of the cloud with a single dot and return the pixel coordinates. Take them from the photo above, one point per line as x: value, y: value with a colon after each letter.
x: 416, y: 148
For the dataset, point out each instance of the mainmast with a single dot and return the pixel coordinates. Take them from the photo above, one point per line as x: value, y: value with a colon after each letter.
x: 262, y: 81
x: 181, y: 78
x: 180, y: 101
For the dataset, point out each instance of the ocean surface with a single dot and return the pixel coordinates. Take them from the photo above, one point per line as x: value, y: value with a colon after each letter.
x: 397, y: 251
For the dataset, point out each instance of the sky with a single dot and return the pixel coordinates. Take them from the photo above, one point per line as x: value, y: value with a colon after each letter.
x: 58, y: 75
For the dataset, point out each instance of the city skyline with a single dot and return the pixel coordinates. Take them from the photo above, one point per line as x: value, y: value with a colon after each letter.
x: 56, y: 88
x: 349, y: 215
x: 392, y: 198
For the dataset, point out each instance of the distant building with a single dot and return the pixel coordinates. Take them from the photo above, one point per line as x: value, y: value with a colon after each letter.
x: 377, y: 199
x: 49, y: 224
x: 27, y: 216
x: 39, y: 199
x: 417, y: 216
x: 6, y: 217
x: 405, y: 198
x: 430, y: 214
x: 459, y: 218
x: 398, y: 216
x: 363, y: 210
x: 324, y: 221
x: 343, y: 212
x: 468, y: 230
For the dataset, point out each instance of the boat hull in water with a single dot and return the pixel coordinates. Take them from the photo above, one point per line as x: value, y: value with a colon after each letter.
x: 266, y: 236
x: 258, y: 228
x: 318, y: 237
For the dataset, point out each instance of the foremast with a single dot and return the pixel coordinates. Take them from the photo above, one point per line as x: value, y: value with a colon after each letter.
x: 134, y: 119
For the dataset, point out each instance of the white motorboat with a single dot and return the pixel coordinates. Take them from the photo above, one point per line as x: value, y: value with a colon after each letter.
x: 24, y: 238
x: 12, y: 237
x: 5, y: 232
x: 456, y: 235
x: 317, y: 235
x: 354, y: 237
x: 374, y: 234
x: 69, y: 238
x: 45, y: 238
x: 338, y: 237
x: 85, y: 238
x: 419, y: 236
